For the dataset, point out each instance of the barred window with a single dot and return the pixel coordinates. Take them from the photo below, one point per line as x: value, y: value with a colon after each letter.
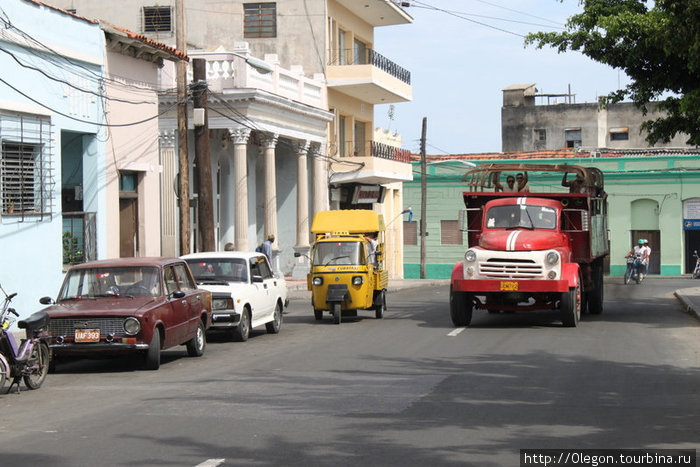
x: 25, y: 165
x: 157, y: 19
x: 260, y: 20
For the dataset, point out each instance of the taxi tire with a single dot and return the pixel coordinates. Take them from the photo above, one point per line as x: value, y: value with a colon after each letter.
x: 381, y: 306
x: 460, y: 308
x: 152, y: 357
x: 318, y: 314
x: 196, y: 345
x: 273, y: 327
x: 335, y: 309
x: 242, y: 331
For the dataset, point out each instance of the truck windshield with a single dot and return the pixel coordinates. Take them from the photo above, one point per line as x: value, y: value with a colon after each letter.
x: 521, y: 215
x: 338, y: 253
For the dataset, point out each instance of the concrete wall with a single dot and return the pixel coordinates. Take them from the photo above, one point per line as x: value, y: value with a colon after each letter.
x: 631, y: 182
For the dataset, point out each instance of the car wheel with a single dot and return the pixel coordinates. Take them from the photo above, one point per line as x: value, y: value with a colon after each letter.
x: 242, y: 331
x: 152, y: 358
x: 273, y: 327
x: 196, y: 345
x: 318, y: 314
x: 460, y: 308
x: 39, y: 366
x: 335, y: 309
x: 570, y: 306
x: 380, y: 307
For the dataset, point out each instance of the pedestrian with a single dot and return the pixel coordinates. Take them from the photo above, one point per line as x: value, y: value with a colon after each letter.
x: 639, y: 251
x: 521, y: 178
x: 647, y: 256
x: 267, y: 246
x: 229, y: 247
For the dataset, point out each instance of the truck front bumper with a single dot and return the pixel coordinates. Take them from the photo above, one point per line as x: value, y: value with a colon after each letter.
x: 478, y: 286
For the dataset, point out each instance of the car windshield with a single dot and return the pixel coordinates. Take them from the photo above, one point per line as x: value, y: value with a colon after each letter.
x: 527, y: 216
x: 134, y: 281
x: 219, y: 269
x: 338, y: 253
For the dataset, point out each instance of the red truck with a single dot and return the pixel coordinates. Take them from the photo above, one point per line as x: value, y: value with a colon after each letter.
x: 532, y: 251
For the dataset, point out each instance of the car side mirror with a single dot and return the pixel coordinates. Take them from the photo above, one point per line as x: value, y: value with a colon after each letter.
x: 257, y: 279
x: 178, y: 294
x: 46, y: 301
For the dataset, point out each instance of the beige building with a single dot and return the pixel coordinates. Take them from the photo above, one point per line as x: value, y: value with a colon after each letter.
x: 332, y: 38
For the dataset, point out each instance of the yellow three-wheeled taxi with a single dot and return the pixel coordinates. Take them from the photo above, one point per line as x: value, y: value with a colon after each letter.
x: 347, y: 267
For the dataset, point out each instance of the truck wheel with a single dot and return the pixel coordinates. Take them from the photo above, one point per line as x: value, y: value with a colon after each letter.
x: 318, y: 314
x: 570, y: 307
x: 460, y: 308
x: 335, y: 309
x: 595, y: 296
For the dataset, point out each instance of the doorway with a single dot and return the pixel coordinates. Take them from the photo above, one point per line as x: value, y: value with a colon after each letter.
x: 128, y: 215
x: 692, y: 243
x: 654, y: 237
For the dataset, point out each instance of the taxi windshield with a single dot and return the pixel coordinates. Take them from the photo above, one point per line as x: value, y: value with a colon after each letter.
x: 526, y: 216
x: 338, y: 253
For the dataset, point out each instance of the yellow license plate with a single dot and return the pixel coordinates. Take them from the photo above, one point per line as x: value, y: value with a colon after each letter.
x: 509, y: 286
x: 87, y: 335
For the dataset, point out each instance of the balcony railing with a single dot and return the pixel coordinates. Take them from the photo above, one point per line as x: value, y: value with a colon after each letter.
x: 376, y: 149
x: 367, y: 56
x: 79, y: 237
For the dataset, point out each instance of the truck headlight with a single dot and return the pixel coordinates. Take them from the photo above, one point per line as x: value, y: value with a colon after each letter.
x: 552, y: 257
x: 317, y: 281
x: 470, y: 256
x: 131, y: 326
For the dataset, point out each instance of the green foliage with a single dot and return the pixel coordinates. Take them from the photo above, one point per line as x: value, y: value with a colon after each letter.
x: 657, y: 44
x: 71, y: 253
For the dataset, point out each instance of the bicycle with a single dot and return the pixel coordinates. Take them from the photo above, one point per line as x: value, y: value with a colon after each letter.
x: 30, y: 360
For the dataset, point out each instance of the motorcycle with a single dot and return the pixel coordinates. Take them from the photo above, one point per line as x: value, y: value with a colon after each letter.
x: 634, y: 263
x: 696, y: 272
x: 30, y: 360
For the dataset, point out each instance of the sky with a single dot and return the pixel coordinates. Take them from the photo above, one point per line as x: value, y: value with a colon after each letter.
x: 463, y: 53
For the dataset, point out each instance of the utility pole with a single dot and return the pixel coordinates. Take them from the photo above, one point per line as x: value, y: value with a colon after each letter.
x: 423, y: 190
x: 202, y: 155
x: 183, y: 160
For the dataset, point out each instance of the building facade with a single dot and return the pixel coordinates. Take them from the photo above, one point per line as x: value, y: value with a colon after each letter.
x: 652, y: 194
x: 535, y: 122
x: 332, y: 38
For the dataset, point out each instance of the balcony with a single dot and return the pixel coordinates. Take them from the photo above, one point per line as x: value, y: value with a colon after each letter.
x: 380, y: 164
x: 368, y: 76
x: 379, y: 12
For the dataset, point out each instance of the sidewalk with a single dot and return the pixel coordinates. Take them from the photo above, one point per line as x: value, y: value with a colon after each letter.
x: 690, y: 299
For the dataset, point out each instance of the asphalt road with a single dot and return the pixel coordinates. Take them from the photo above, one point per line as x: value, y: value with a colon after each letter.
x: 406, y: 390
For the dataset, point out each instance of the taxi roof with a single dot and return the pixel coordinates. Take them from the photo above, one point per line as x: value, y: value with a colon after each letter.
x: 347, y: 220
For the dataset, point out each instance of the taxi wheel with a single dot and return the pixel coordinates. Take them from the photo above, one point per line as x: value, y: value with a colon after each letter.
x: 335, y: 309
x: 318, y: 314
x: 379, y: 308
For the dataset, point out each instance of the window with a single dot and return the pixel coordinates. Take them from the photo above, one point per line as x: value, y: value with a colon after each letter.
x: 541, y: 135
x: 573, y: 137
x: 619, y: 134
x: 260, y: 20
x: 360, y: 53
x: 25, y: 165
x: 450, y: 233
x: 410, y: 233
x: 157, y: 19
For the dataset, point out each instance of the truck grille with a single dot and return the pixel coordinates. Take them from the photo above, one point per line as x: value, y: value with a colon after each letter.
x: 510, y: 268
x: 67, y: 326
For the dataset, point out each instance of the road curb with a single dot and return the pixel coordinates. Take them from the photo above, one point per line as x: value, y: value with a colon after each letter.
x: 687, y: 304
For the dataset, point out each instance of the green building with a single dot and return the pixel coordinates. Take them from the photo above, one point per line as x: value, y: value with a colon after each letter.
x: 652, y: 194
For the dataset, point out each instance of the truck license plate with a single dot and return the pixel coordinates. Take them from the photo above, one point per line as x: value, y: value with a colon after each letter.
x: 87, y: 335
x: 509, y: 286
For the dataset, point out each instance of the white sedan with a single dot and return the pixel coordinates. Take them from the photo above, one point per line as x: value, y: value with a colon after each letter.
x: 245, y: 291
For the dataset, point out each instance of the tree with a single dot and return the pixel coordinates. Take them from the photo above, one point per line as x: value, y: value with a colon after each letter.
x: 657, y: 44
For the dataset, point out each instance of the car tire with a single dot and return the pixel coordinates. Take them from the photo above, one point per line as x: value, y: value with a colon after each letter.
x: 196, y: 345
x: 273, y: 327
x: 318, y: 314
x: 460, y: 308
x: 242, y: 331
x: 152, y: 357
x: 570, y: 306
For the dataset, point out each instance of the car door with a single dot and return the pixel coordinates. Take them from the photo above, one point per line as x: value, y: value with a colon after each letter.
x: 192, y: 299
x: 175, y: 321
x: 260, y: 298
x: 270, y: 285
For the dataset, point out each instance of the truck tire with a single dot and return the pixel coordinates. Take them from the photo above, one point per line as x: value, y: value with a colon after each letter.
x: 460, y: 308
x: 570, y: 306
x: 595, y: 296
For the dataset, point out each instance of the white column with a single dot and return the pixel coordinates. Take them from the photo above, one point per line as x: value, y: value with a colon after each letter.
x: 240, y: 180
x: 269, y: 143
x: 320, y: 181
x: 301, y: 268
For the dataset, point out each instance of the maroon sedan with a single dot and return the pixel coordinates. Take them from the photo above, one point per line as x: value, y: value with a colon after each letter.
x: 141, y: 305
